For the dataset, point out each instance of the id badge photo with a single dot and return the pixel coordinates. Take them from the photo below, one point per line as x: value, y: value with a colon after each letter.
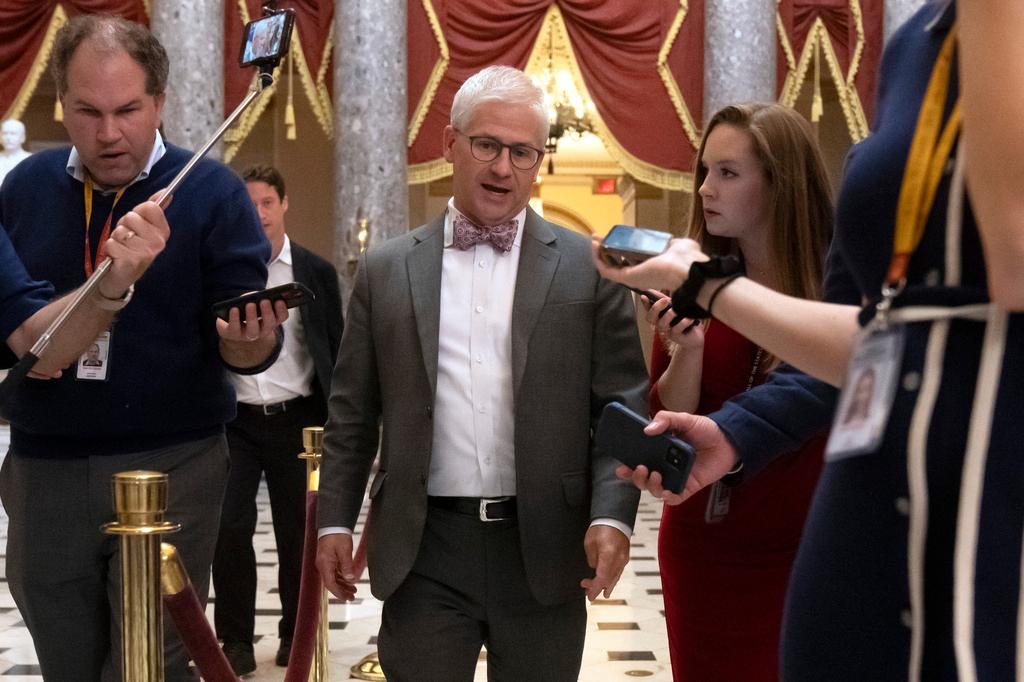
x: 868, y: 393
x: 94, y: 363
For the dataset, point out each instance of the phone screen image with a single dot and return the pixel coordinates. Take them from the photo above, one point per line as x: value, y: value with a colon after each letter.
x: 637, y: 239
x: 264, y: 39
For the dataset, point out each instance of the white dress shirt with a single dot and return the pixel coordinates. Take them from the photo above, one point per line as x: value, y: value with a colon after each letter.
x: 291, y: 376
x: 473, y: 452
x: 76, y: 168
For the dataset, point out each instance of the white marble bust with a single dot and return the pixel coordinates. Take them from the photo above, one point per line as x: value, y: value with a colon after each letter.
x: 12, y: 133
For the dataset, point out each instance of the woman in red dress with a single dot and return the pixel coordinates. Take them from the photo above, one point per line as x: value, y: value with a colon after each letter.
x: 725, y: 554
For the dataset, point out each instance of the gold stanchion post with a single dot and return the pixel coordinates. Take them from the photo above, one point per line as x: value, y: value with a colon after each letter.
x: 140, y: 500
x: 313, y: 447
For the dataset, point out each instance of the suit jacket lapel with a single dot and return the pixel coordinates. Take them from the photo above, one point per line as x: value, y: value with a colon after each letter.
x: 301, y: 274
x: 537, y: 263
x: 424, y: 267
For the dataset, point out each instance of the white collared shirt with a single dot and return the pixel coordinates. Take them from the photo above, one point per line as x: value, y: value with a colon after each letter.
x: 473, y: 451
x: 291, y: 375
x: 474, y: 416
x: 76, y: 168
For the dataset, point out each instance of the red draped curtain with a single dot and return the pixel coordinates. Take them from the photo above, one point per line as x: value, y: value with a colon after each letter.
x: 309, y: 69
x: 845, y: 38
x: 27, y: 29
x: 640, y: 61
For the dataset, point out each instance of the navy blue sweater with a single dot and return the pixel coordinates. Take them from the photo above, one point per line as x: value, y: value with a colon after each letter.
x: 166, y: 381
x: 20, y: 297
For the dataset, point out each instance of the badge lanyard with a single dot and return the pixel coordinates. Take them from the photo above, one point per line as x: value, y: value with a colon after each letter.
x: 720, y: 495
x: 869, y: 391
x: 89, y: 368
x: 926, y: 162
x: 101, y: 251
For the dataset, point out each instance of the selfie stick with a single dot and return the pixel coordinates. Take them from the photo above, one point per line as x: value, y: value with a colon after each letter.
x: 29, y: 359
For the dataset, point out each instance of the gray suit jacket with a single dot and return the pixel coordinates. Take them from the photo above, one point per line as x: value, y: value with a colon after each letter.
x: 574, y: 348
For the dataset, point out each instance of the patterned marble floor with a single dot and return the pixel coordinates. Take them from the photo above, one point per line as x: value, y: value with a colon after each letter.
x: 625, y: 634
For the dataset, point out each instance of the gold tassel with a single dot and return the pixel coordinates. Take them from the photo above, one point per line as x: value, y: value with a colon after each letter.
x: 817, y: 105
x: 289, y: 109
x: 58, y: 111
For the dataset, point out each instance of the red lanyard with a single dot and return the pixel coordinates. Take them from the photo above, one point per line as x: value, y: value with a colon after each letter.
x: 91, y: 261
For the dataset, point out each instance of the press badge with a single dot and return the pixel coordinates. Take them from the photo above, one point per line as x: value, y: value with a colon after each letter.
x: 94, y: 364
x: 867, y: 396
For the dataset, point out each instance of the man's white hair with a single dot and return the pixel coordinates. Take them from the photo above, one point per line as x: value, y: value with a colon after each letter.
x: 498, y: 84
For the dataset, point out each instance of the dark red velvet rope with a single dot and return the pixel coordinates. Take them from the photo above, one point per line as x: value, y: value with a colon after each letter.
x: 198, y: 637
x: 307, y: 620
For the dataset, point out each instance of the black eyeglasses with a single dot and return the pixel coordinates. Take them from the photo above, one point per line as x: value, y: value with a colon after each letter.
x: 523, y: 157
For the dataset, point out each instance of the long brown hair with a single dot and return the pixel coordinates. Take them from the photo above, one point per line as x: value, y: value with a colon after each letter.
x: 801, y: 196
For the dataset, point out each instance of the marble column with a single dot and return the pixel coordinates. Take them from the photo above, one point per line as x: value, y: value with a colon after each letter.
x: 739, y: 53
x: 370, y: 113
x: 897, y: 12
x: 192, y: 31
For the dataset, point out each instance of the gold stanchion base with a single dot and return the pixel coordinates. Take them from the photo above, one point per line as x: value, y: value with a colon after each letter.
x: 369, y: 669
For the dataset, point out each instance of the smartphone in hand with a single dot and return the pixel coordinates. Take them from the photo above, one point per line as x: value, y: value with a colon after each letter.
x: 293, y: 294
x: 628, y: 245
x: 620, y: 434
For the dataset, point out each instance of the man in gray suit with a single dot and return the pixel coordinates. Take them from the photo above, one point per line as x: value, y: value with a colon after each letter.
x: 486, y: 344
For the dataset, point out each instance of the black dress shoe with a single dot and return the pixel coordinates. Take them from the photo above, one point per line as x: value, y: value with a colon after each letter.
x: 239, y: 655
x: 283, y: 652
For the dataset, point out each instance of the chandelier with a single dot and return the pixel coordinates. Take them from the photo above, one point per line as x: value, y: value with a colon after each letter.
x: 568, y: 110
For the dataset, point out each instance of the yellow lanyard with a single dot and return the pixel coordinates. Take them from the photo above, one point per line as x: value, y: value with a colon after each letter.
x: 929, y: 152
x: 91, y: 262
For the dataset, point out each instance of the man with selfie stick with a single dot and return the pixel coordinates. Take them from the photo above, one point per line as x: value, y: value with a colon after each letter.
x: 163, y: 398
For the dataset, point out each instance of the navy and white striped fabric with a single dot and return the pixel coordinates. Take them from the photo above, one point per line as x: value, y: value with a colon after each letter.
x: 911, y: 561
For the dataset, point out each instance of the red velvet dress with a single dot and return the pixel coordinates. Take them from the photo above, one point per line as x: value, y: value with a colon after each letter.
x: 724, y: 581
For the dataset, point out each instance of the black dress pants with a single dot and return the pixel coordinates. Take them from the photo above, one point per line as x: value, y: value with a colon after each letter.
x: 467, y: 589
x: 262, y: 445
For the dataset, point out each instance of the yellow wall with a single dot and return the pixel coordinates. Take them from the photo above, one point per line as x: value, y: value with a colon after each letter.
x: 573, y: 197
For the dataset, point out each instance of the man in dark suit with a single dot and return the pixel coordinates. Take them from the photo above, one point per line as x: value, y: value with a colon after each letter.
x: 265, y: 438
x: 486, y: 345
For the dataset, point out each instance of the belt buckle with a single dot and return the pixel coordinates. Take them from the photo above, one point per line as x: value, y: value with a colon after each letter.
x: 484, y: 501
x: 274, y: 408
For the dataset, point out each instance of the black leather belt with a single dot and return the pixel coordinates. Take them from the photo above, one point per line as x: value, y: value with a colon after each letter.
x: 271, y: 408
x: 484, y: 508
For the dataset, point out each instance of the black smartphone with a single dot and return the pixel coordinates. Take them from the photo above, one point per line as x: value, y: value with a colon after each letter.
x: 620, y: 434
x: 266, y: 40
x: 630, y: 245
x: 293, y: 294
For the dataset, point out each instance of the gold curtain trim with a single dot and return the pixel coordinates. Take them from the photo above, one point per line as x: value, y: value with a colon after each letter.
x: 641, y: 170
x: 28, y: 88
x: 674, y: 93
x: 440, y: 66
x: 649, y: 173
x: 849, y: 98
x: 428, y: 171
x: 316, y: 92
x: 238, y: 133
x: 149, y: 11
x: 321, y: 80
